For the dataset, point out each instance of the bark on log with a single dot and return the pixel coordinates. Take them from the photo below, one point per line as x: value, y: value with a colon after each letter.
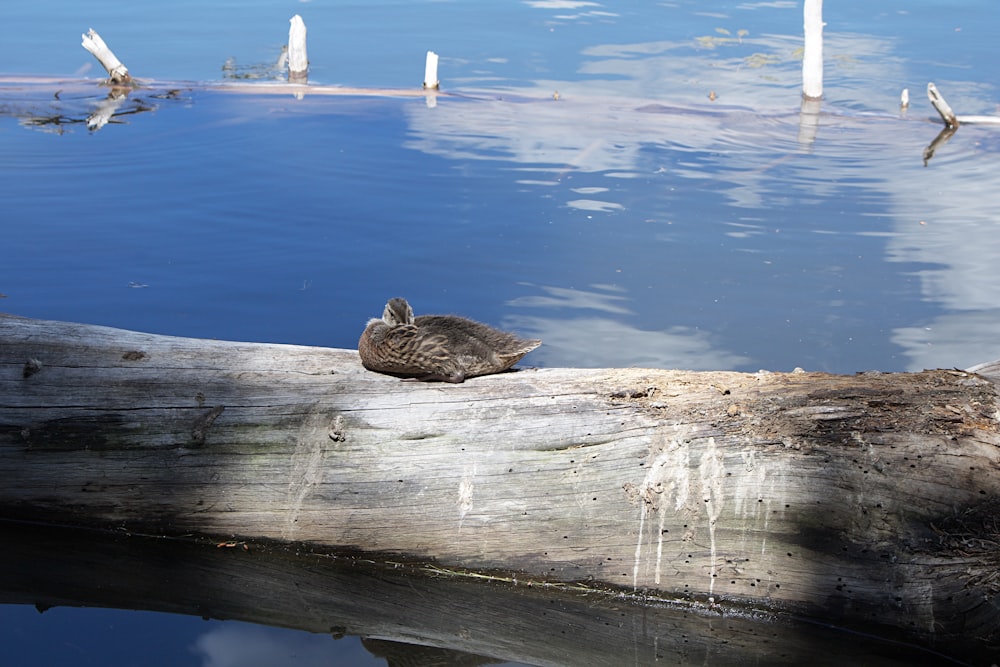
x: 865, y: 501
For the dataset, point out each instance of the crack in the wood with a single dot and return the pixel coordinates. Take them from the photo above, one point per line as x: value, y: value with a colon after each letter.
x: 420, y: 436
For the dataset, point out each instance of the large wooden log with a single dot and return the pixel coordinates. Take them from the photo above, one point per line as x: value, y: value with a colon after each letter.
x: 865, y: 501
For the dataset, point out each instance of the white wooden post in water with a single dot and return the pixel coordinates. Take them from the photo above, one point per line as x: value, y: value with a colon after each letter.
x: 96, y: 46
x: 942, y: 107
x: 812, y: 56
x: 298, y: 61
x: 431, y: 71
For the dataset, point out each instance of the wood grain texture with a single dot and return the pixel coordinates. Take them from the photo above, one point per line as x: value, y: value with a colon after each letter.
x: 868, y: 501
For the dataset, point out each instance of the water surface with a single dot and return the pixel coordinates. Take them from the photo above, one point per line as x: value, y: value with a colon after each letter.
x: 632, y: 183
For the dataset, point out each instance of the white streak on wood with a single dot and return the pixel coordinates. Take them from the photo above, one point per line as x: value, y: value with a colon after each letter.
x: 712, y: 473
x: 306, y: 466
x: 650, y: 498
x: 298, y: 60
x: 667, y: 479
x: 745, y: 500
x: 431, y: 71
x: 643, y: 510
x: 96, y: 46
x: 659, y: 544
x: 812, y: 56
x: 466, y: 488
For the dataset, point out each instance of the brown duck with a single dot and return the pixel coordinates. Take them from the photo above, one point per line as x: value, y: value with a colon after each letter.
x: 446, y: 348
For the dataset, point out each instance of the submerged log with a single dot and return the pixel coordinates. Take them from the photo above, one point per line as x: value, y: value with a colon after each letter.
x: 867, y: 502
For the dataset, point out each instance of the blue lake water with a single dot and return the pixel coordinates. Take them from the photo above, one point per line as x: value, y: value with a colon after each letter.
x: 582, y: 188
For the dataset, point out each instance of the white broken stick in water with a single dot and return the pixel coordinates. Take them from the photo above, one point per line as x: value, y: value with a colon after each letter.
x: 948, y: 116
x: 298, y: 60
x: 431, y: 71
x: 116, y: 70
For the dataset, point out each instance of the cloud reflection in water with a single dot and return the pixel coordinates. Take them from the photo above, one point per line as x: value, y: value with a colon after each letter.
x: 608, y: 342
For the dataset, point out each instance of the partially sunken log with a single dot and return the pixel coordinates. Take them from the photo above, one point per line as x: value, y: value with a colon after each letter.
x: 866, y: 501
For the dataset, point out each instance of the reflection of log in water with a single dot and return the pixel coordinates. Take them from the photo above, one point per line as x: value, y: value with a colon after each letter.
x: 303, y: 588
x: 54, y: 104
x: 858, y: 501
x: 399, y: 654
x: 940, y: 140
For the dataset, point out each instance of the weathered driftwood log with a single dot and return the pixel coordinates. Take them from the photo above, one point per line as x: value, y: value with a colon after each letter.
x: 865, y: 501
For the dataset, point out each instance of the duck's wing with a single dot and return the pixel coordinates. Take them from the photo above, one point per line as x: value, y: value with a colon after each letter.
x: 477, y: 348
x: 385, y: 348
x: 414, y: 352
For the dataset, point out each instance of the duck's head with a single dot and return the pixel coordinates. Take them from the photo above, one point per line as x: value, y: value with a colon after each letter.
x: 397, y: 312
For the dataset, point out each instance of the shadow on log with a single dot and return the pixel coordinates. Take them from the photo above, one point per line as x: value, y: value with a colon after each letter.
x: 738, y: 516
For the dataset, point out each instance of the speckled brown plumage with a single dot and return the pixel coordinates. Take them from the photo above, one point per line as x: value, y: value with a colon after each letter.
x: 437, y: 347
